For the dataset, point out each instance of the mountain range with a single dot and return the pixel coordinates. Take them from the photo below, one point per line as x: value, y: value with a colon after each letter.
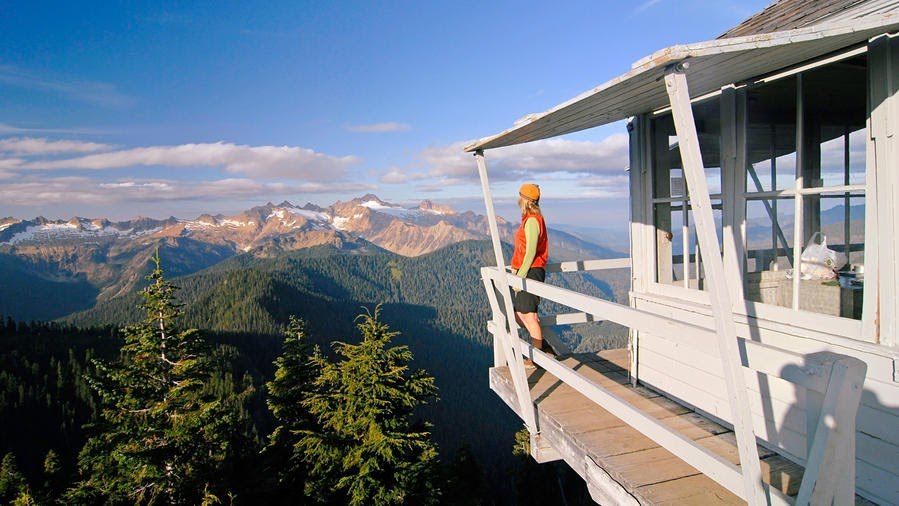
x: 55, y: 267
x: 242, y: 276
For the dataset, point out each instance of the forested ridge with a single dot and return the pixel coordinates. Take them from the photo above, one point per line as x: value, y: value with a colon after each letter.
x: 242, y: 305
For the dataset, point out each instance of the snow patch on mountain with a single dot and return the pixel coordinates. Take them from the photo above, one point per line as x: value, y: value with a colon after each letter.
x: 311, y: 215
x: 287, y: 217
x: 237, y: 223
x: 340, y: 223
x: 68, y: 230
x: 397, y: 211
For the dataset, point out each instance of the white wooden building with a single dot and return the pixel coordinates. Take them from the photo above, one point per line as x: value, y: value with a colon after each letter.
x: 742, y: 149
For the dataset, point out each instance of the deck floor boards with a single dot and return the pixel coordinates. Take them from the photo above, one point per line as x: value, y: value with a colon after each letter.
x: 649, y: 473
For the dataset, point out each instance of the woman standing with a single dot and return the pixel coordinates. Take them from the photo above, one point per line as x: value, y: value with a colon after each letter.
x: 529, y: 259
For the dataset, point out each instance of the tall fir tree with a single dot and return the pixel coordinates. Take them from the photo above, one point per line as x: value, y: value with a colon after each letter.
x: 294, y: 376
x: 167, y: 435
x: 367, y: 450
x: 13, y: 485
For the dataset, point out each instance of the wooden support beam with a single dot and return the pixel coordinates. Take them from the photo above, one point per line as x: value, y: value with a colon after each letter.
x: 830, y: 469
x: 508, y: 329
x: 722, y: 306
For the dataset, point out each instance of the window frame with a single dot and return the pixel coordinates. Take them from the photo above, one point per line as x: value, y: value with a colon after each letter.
x: 733, y: 199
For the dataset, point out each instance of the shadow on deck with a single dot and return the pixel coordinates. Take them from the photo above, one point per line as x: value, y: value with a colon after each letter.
x: 619, y: 464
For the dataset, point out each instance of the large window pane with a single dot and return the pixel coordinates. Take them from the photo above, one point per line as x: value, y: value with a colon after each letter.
x: 677, y: 251
x: 771, y: 136
x: 769, y: 234
x: 680, y: 259
x: 769, y: 244
x: 833, y: 104
x: 668, y: 176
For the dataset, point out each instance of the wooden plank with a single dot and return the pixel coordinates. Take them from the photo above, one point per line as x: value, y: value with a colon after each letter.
x: 646, y: 467
x: 879, y: 422
x: 879, y: 485
x: 603, y: 488
x: 577, y: 422
x: 835, y: 438
x: 878, y: 452
x: 690, y: 490
x: 694, y: 425
x: 576, y: 428
x: 618, y: 357
x: 590, y: 265
x: 725, y: 445
x: 614, y: 441
x: 783, y: 474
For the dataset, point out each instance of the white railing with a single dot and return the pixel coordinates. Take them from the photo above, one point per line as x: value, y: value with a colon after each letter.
x: 834, y: 380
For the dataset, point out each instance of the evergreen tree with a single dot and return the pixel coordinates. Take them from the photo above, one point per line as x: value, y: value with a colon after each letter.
x: 166, y: 435
x: 53, y: 478
x: 12, y: 482
x: 367, y: 450
x: 294, y: 376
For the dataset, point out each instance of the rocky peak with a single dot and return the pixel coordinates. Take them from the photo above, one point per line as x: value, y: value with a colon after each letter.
x: 207, y: 219
x: 429, y: 206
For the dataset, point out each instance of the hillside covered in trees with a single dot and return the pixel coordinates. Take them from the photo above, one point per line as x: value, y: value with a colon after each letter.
x: 243, y: 305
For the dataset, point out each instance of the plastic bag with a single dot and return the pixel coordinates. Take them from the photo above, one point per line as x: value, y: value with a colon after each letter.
x: 819, y: 261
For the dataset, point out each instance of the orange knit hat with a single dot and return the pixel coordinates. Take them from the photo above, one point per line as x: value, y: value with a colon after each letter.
x: 530, y: 191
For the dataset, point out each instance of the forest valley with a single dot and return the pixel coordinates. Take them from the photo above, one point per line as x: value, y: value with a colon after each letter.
x: 302, y: 388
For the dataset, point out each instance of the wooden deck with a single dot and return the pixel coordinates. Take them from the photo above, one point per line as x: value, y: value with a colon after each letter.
x: 619, y: 464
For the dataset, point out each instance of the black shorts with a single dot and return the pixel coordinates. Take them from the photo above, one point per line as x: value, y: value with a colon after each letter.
x: 525, y: 302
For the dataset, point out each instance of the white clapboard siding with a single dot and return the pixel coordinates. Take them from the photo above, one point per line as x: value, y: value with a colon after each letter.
x: 879, y: 485
x: 769, y: 426
x: 689, y: 373
x: 707, y: 361
x: 783, y: 335
x: 879, y: 423
x: 879, y: 452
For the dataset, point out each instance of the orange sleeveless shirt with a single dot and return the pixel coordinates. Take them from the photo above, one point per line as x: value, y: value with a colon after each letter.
x: 542, y: 254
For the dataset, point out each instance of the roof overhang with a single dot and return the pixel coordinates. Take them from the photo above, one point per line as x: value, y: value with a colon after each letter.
x: 712, y: 65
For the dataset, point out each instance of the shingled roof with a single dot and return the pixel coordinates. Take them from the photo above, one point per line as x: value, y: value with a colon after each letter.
x: 790, y: 14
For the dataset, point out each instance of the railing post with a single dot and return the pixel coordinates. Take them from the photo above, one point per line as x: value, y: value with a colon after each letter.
x: 832, y: 454
x: 719, y: 294
x: 511, y: 344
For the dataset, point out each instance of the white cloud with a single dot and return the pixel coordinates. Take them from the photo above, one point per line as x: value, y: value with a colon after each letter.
x: 606, y: 185
x: 390, y: 126
x: 287, y: 162
x: 43, y: 146
x: 91, y: 92
x: 83, y: 190
x: 397, y: 176
x: 11, y: 163
x: 9, y: 129
x: 609, y: 155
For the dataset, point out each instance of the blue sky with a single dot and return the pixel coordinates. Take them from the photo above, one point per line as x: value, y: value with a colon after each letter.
x: 158, y: 108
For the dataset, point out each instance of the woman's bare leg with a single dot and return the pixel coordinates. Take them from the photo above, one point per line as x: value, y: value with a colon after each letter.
x: 531, y: 323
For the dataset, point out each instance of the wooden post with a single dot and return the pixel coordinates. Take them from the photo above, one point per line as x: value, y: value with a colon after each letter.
x: 719, y: 294
x: 881, y: 314
x: 798, y: 209
x: 830, y: 467
x: 509, y: 328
